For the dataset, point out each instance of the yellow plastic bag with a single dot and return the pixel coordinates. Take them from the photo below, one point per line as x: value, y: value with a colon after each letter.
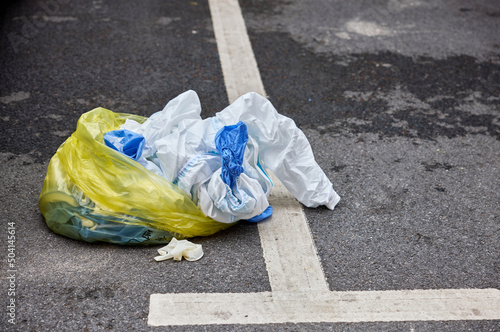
x: 94, y: 193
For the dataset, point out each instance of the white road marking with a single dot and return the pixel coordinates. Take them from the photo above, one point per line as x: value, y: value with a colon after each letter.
x: 288, y: 247
x: 300, y: 292
x: 333, y: 307
x: 239, y: 66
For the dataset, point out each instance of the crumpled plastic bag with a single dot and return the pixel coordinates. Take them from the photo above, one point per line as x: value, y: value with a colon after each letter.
x: 182, y: 176
x: 183, y: 148
x: 94, y: 193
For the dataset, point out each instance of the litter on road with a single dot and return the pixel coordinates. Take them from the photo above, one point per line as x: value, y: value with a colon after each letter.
x: 128, y: 179
x: 177, y: 249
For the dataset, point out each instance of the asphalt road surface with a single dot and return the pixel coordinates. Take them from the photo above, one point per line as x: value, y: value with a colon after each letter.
x: 400, y: 101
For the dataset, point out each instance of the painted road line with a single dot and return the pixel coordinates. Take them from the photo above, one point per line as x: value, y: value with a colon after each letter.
x: 300, y: 292
x: 238, y: 63
x: 288, y: 248
x: 287, y: 232
x: 332, y: 307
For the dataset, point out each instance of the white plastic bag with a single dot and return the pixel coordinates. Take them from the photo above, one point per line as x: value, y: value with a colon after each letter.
x: 180, y: 146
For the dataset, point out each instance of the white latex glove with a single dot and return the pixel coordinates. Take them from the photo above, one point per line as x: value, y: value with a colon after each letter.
x: 177, y: 249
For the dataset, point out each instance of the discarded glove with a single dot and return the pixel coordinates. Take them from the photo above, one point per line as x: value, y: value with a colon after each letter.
x: 126, y: 142
x: 177, y: 249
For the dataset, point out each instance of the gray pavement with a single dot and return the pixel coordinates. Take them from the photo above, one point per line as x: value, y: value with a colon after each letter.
x: 399, y: 99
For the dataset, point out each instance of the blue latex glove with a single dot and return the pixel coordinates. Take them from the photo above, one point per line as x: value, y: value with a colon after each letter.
x: 231, y: 142
x: 266, y: 214
x: 125, y: 141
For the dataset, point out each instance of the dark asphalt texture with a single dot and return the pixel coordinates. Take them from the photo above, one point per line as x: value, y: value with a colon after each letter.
x: 404, y: 120
x: 403, y: 137
x: 129, y: 58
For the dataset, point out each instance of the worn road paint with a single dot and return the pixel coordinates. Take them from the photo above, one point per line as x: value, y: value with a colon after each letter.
x: 300, y: 292
x: 332, y: 307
